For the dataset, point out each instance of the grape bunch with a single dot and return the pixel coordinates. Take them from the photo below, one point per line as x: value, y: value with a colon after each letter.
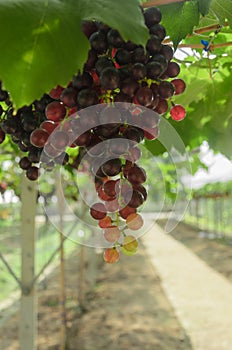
x: 104, y: 112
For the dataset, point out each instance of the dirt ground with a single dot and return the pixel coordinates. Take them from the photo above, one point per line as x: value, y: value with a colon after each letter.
x: 125, y: 308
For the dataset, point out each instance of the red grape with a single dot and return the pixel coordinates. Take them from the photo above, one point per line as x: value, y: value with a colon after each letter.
x: 178, y: 112
x: 179, y: 85
x: 134, y: 221
x: 136, y: 175
x: 39, y: 137
x: 111, y: 255
x: 55, y: 111
x: 98, y: 211
x: 112, y: 234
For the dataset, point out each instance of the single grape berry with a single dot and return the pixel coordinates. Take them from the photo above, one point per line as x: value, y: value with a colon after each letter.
x: 166, y: 89
x: 109, y: 78
x: 111, y: 255
x: 55, y: 111
x: 32, y: 173
x: 24, y: 163
x: 179, y: 86
x: 112, y: 234
x: 152, y: 16
x: 98, y: 211
x: 39, y: 137
x: 98, y: 42
x: 178, y: 112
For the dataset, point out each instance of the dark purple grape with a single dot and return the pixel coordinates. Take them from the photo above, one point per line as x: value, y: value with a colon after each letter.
x: 89, y: 27
x: 166, y: 89
x: 22, y: 147
x: 112, y: 167
x: 124, y: 73
x: 154, y: 70
x: 110, y: 79
x: 167, y: 52
x: 84, y: 139
x: 136, y: 175
x: 130, y: 46
x: 87, y: 98
x: 138, y: 71
x: 135, y: 199
x: 98, y: 42
x: 173, y: 69
x: 82, y: 81
x: 106, y: 131
x: 10, y: 126
x: 114, y: 38
x: 144, y: 96
x: 103, y: 27
x: 153, y: 44
x: 122, y: 57
x: 129, y: 87
x: 162, y: 106
x: 142, y: 190
x: 34, y: 155
x: 159, y: 30
x: 152, y: 16
x: 69, y: 97
x: 121, y: 97
x: 161, y: 59
x: 32, y: 173
x: 41, y: 104
x: 102, y: 63
x: 133, y: 133
x: 139, y: 55
x: 24, y: 163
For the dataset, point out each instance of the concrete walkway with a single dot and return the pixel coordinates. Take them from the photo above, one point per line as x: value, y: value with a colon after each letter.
x: 201, y: 297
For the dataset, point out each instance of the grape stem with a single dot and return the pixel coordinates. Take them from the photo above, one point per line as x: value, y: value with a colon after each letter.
x: 160, y: 2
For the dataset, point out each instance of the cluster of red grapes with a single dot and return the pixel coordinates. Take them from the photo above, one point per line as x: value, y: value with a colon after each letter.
x: 129, y: 86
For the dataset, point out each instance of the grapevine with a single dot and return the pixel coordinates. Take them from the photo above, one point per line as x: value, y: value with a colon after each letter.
x: 130, y: 87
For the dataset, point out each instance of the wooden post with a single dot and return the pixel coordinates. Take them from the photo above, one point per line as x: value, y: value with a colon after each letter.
x: 28, y: 311
x: 62, y: 265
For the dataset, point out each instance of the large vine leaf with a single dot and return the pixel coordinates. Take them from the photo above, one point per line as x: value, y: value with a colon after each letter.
x: 179, y: 19
x: 43, y: 45
x: 222, y: 9
x: 204, y: 6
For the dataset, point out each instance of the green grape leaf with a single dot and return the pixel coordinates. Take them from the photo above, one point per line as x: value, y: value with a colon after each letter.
x: 179, y: 19
x: 125, y: 16
x: 204, y: 6
x: 222, y: 9
x: 43, y: 45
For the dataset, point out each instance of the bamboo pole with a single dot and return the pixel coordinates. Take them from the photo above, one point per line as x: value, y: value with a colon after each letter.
x: 28, y: 308
x: 61, y: 267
